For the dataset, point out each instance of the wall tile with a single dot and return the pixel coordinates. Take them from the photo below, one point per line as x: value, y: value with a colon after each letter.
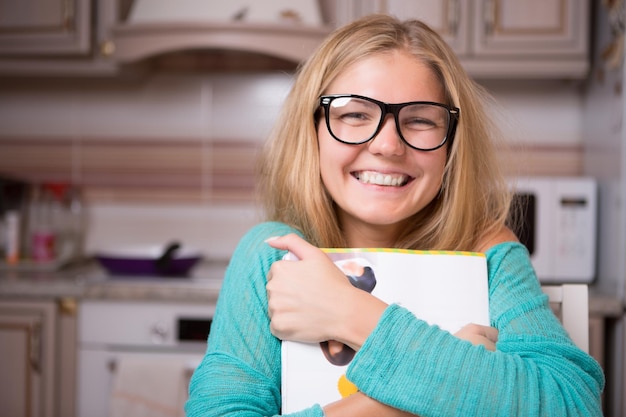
x: 214, y: 229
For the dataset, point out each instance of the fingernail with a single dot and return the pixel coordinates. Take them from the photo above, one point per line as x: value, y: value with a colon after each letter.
x: 269, y: 239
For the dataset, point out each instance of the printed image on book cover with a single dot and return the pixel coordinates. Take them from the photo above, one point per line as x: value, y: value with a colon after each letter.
x: 444, y: 288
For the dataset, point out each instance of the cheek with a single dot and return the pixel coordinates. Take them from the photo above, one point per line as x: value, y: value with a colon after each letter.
x: 330, y: 155
x: 437, y: 163
x: 441, y: 167
x: 433, y: 166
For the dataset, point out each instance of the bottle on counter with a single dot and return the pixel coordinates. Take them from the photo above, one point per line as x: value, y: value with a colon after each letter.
x: 43, y: 233
x: 13, y: 197
x: 74, y: 222
x: 12, y: 236
x: 58, y: 223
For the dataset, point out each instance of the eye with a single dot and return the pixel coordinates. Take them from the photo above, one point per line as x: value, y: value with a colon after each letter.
x: 419, y: 124
x: 354, y: 112
x: 423, y: 117
x: 355, y: 117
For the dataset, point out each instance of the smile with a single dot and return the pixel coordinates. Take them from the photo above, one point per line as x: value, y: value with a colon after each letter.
x: 377, y: 178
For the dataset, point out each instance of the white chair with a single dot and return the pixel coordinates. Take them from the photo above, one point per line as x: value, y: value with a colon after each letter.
x: 570, y: 303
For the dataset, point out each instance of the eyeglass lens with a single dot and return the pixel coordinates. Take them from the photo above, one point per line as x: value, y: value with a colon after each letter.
x: 355, y: 120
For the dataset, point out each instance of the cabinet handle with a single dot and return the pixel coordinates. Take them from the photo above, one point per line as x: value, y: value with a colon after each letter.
x: 107, y: 48
x: 68, y: 14
x: 489, y: 16
x: 68, y: 306
x: 454, y: 17
x: 35, y: 347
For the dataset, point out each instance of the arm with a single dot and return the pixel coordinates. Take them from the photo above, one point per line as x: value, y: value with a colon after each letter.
x: 240, y: 373
x: 361, y: 405
x: 310, y: 299
x: 536, y: 371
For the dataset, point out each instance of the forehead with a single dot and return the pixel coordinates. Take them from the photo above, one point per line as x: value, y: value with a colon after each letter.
x: 393, y: 77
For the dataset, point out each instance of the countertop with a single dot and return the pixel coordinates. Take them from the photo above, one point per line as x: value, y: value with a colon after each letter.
x: 602, y: 305
x: 89, y: 281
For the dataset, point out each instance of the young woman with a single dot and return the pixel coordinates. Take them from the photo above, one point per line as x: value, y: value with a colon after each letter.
x: 384, y: 141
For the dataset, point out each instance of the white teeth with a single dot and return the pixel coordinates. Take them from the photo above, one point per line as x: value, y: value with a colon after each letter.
x: 377, y: 178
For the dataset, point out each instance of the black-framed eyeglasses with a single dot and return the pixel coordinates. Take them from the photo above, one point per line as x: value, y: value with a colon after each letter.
x: 422, y: 125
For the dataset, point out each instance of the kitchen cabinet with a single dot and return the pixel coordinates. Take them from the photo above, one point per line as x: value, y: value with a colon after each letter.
x: 57, y: 38
x: 496, y: 38
x: 44, y: 27
x: 68, y: 38
x: 493, y: 38
x: 450, y: 18
x: 531, y: 28
x: 37, y: 357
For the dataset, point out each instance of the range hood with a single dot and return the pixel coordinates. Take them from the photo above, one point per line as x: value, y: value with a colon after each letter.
x: 284, y: 30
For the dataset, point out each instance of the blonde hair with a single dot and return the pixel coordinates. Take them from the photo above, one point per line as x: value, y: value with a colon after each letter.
x: 473, y: 201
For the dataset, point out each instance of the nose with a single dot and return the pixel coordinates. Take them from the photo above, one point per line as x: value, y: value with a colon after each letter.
x: 387, y: 142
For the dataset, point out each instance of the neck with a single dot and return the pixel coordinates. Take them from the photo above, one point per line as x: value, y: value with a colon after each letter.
x: 371, y: 236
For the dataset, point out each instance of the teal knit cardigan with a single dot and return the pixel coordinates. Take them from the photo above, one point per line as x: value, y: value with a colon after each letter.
x: 536, y: 369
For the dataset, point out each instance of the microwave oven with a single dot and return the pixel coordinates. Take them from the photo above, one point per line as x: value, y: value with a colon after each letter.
x: 556, y: 219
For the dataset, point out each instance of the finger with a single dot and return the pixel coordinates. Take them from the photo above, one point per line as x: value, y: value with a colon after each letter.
x: 488, y: 332
x: 488, y: 344
x: 296, y: 245
x: 491, y: 333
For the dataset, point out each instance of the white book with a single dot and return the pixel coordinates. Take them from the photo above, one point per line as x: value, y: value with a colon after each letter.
x: 444, y: 288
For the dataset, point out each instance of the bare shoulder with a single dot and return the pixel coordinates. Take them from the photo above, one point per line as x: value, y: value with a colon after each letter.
x: 502, y: 235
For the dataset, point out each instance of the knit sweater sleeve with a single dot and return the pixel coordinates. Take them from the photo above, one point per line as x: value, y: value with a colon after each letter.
x: 536, y: 369
x: 240, y: 373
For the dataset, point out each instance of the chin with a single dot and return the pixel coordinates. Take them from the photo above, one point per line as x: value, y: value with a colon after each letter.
x: 384, y: 221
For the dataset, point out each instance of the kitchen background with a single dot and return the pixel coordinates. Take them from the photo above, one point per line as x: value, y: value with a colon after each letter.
x: 173, y: 155
x: 158, y: 125
x: 169, y: 152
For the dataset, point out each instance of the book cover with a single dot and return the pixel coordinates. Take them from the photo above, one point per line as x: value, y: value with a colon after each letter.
x: 444, y: 288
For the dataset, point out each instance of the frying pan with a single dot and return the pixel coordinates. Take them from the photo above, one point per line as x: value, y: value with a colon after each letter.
x: 171, y: 260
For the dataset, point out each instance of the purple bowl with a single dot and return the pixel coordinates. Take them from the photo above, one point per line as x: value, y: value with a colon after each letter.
x: 147, y: 267
x: 145, y: 262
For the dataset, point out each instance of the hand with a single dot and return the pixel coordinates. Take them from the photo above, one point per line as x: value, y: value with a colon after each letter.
x: 310, y: 300
x: 304, y: 296
x: 479, y: 335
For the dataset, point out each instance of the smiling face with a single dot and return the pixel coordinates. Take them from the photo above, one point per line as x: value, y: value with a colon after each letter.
x: 378, y: 185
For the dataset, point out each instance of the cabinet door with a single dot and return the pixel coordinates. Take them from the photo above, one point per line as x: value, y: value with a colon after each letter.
x: 340, y: 12
x: 450, y: 18
x: 42, y: 27
x: 26, y: 359
x: 548, y: 28
x: 52, y: 47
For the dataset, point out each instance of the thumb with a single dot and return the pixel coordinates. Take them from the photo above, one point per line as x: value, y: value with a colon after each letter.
x: 296, y: 245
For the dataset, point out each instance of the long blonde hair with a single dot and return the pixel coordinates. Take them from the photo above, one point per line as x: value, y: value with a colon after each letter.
x: 473, y: 201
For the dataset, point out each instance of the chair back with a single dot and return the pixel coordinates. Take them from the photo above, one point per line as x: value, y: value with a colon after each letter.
x: 570, y: 303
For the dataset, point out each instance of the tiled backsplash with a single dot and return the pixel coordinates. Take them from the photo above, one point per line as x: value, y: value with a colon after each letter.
x: 146, y: 192
x: 213, y: 229
x: 173, y: 155
x: 158, y: 107
x: 196, y: 171
x: 138, y: 170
